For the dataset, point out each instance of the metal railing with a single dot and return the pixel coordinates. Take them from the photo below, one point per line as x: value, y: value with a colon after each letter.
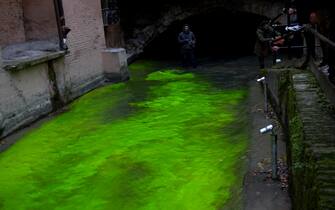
x: 327, y: 87
x: 320, y: 37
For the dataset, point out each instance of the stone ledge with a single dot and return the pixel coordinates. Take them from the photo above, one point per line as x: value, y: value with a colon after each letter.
x: 16, y: 65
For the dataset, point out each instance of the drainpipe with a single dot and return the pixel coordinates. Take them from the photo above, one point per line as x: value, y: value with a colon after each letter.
x: 59, y: 13
x: 2, y: 116
x: 56, y: 99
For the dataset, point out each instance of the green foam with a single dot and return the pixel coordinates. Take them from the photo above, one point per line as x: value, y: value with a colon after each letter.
x: 165, y: 140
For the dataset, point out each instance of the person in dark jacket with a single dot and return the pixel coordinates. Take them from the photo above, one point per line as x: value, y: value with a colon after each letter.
x: 187, y: 41
x: 265, y: 34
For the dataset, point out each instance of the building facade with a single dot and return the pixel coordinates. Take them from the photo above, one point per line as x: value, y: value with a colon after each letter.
x: 41, y: 67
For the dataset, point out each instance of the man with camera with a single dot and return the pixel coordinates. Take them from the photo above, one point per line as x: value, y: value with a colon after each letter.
x: 187, y: 40
x: 266, y: 41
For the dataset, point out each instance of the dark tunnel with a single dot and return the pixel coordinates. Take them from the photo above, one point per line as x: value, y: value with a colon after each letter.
x: 219, y: 34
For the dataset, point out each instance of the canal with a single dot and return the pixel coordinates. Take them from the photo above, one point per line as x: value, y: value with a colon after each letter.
x: 167, y: 139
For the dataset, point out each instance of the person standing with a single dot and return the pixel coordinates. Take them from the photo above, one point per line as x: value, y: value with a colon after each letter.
x: 297, y: 39
x: 265, y: 34
x: 310, y: 39
x: 187, y: 41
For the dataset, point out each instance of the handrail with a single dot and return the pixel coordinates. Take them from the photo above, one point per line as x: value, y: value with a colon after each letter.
x: 323, y: 80
x: 321, y: 37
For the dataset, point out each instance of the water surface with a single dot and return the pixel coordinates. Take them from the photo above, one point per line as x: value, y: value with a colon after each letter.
x: 167, y: 139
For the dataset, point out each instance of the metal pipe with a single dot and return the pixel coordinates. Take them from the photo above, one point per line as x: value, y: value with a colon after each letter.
x: 274, y: 154
x: 265, y: 96
x: 274, y: 146
x: 59, y: 13
x: 289, y: 41
x: 263, y: 81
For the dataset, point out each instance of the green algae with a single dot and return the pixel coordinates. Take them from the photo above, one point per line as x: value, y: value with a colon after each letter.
x: 169, y: 75
x: 172, y: 146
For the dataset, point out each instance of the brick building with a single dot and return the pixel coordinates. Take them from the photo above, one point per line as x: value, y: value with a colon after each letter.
x: 36, y: 74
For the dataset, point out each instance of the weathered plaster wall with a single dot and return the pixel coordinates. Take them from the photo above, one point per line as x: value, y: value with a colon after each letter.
x: 11, y: 22
x: 25, y: 96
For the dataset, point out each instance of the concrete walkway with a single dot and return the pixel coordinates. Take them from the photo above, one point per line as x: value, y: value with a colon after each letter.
x: 261, y: 193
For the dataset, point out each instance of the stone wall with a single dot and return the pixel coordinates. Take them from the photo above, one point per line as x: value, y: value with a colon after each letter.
x: 309, y: 121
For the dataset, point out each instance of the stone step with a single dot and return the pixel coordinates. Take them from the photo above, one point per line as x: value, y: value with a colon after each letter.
x: 330, y: 172
x: 327, y: 191
x: 325, y: 183
x: 319, y: 142
x: 317, y: 119
x: 324, y: 136
x: 310, y: 91
x: 329, y: 165
x: 327, y: 202
x: 318, y: 128
x: 323, y: 153
x: 321, y: 145
x: 327, y: 206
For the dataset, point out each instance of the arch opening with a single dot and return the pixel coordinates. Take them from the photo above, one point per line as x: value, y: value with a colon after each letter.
x: 220, y: 33
x: 145, y: 21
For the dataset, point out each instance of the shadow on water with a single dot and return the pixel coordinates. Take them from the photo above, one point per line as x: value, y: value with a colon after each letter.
x: 222, y: 73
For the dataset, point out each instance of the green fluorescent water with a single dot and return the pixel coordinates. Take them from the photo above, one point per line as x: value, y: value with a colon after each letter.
x: 165, y: 140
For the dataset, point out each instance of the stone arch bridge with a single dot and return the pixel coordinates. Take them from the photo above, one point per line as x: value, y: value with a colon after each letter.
x: 145, y: 29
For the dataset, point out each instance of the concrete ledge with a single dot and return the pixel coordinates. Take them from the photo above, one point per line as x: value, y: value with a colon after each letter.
x: 115, y: 64
x: 15, y: 65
